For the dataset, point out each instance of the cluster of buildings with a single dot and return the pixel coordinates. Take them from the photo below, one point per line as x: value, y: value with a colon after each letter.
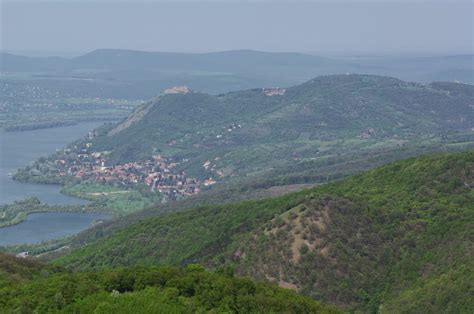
x: 158, y: 173
x: 177, y: 90
x: 368, y: 133
x: 16, y: 91
x: 274, y: 91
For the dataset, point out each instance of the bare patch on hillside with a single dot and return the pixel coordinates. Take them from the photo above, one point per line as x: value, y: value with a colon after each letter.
x: 314, y: 246
x: 277, y: 250
x: 302, y: 229
x: 133, y: 118
x: 287, y: 285
x: 306, y: 231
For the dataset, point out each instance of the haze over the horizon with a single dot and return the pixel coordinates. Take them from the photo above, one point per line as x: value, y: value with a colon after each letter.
x: 366, y: 27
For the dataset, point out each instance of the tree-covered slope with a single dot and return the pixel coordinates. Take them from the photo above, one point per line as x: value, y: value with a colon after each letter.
x: 398, y: 233
x: 142, y: 290
x: 17, y: 270
x: 240, y: 131
x: 398, y: 237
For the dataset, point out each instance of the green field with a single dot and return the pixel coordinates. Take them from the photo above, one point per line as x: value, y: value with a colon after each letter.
x: 120, y: 201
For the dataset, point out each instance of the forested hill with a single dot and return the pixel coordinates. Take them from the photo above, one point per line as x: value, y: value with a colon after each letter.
x: 27, y: 286
x: 394, y: 239
x: 330, y: 115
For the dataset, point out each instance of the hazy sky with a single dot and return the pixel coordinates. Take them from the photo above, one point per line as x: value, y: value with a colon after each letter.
x: 444, y: 27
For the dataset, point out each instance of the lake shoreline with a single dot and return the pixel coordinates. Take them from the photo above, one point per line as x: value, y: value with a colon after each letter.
x: 21, y: 148
x: 47, y: 228
x: 20, y: 201
x: 95, y: 210
x: 33, y: 206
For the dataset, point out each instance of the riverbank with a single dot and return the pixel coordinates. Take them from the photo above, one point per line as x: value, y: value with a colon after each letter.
x: 18, y: 211
x: 46, y: 226
x: 22, y: 203
x: 38, y: 126
x: 120, y: 200
x: 20, y: 149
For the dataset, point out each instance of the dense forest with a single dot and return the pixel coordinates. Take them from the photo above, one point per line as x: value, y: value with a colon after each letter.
x: 372, y: 241
x: 28, y: 286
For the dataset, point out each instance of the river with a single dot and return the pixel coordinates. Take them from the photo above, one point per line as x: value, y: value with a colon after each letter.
x: 18, y: 149
x: 40, y: 227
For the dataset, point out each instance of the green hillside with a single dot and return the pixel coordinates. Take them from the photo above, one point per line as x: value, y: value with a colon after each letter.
x: 322, y: 130
x: 240, y: 132
x: 19, y: 270
x: 396, y: 237
x: 37, y: 288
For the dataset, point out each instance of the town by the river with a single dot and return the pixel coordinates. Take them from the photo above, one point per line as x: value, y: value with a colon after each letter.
x: 18, y: 149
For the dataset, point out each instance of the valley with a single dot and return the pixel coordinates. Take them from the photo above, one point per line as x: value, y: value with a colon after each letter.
x: 312, y: 157
x: 254, y: 140
x: 316, y: 132
x: 343, y: 193
x: 360, y: 243
x: 354, y: 243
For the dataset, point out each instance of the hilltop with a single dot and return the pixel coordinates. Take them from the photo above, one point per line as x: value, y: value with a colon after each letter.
x: 239, y: 132
x: 396, y: 237
x: 184, y: 142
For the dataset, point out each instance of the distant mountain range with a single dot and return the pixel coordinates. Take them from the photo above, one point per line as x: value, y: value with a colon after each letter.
x: 141, y: 75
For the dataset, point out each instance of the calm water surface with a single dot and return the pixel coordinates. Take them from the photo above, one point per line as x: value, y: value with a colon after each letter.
x: 40, y: 227
x: 18, y: 149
